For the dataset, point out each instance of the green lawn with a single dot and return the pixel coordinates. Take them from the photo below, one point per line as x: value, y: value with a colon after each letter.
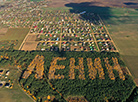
x: 15, y: 34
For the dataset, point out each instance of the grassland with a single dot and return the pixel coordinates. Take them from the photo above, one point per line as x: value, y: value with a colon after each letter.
x: 15, y: 94
x: 15, y: 34
x: 122, y: 25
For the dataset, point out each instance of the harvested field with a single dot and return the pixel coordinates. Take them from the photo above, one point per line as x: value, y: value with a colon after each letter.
x: 28, y: 46
x: 15, y: 34
x: 31, y: 38
x: 3, y: 31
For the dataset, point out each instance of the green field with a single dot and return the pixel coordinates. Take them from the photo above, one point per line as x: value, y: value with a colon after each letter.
x: 122, y: 25
x: 15, y: 34
x: 15, y: 94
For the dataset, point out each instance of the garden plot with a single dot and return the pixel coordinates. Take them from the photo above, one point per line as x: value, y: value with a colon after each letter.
x: 98, y: 29
x: 48, y: 46
x: 46, y: 27
x: 48, y: 37
x: 79, y: 46
x: 77, y: 37
x: 102, y: 37
x: 106, y: 46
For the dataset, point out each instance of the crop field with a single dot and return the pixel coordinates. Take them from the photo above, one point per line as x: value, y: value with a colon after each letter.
x: 15, y: 34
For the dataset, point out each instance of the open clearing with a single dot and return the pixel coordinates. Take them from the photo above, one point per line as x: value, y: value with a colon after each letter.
x: 15, y: 34
x: 28, y: 46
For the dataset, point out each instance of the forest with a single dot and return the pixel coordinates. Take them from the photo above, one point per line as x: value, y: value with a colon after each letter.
x: 93, y: 87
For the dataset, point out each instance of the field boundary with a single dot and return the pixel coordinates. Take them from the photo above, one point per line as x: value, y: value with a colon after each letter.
x: 25, y: 39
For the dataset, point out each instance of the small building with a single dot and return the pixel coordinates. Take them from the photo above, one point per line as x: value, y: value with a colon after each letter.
x: 57, y: 39
x: 42, y: 49
x: 1, y: 72
x: 7, y: 85
x: 7, y: 72
x: 1, y: 84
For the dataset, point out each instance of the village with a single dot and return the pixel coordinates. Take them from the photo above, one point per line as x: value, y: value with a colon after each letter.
x: 57, y: 30
x: 65, y: 31
x: 21, y: 13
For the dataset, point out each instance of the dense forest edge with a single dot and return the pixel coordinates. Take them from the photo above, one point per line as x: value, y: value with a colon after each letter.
x: 96, y: 90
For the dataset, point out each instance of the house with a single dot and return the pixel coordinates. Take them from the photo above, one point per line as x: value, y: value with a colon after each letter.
x: 107, y: 49
x: 7, y: 72
x: 1, y: 84
x: 57, y: 39
x: 7, y: 85
x: 42, y: 49
x: 1, y: 72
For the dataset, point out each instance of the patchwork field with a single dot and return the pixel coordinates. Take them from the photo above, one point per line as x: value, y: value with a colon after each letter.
x: 15, y: 34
